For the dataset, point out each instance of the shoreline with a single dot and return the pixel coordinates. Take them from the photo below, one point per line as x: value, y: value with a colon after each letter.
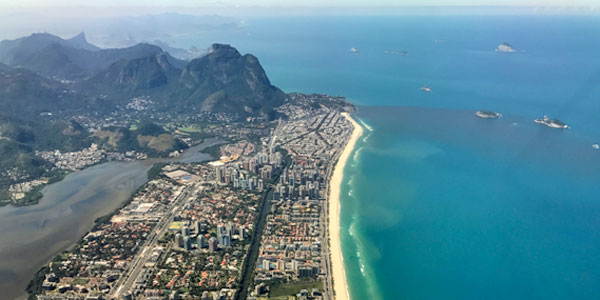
x: 340, y: 286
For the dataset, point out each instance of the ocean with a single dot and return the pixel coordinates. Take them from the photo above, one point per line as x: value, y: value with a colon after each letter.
x: 437, y: 203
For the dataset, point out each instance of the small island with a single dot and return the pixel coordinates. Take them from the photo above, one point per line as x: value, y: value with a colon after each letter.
x: 488, y: 114
x: 553, y: 123
x: 505, y: 47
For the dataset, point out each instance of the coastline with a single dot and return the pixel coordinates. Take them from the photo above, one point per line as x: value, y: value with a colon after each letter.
x: 340, y: 285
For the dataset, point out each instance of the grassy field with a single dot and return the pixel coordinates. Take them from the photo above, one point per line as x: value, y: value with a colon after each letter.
x: 281, y: 291
x: 80, y: 281
x: 159, y: 143
x: 190, y: 129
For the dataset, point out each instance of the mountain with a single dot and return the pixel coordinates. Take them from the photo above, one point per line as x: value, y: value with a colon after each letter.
x: 71, y: 59
x: 57, y: 60
x: 45, y: 135
x: 185, y: 54
x: 149, y: 138
x: 46, y: 82
x: 102, y: 80
x: 104, y: 58
x: 20, y: 138
x: 19, y: 156
x: 80, y: 42
x: 221, y: 81
x: 17, y: 52
x: 226, y: 81
x: 143, y: 73
x: 25, y: 95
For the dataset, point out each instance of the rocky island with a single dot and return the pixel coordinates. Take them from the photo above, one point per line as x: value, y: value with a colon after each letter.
x: 488, y: 114
x: 554, y: 123
x: 505, y: 47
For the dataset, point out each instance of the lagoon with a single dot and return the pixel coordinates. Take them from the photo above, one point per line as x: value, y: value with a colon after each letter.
x: 32, y: 235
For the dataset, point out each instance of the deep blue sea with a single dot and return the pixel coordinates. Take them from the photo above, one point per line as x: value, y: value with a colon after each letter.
x: 437, y: 203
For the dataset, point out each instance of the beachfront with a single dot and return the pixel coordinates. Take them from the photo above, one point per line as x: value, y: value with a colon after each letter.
x: 337, y: 262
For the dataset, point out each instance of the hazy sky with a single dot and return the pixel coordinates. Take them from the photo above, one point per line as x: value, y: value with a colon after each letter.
x: 367, y: 3
x: 243, y: 8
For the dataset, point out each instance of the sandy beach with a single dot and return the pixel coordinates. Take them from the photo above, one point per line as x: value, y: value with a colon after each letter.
x: 337, y: 261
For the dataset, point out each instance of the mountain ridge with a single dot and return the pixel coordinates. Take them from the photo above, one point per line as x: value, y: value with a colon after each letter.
x: 223, y: 80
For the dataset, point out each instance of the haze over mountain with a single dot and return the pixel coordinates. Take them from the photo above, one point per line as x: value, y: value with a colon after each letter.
x: 68, y: 75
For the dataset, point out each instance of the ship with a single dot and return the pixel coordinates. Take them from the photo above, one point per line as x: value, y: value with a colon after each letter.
x: 553, y: 123
x: 426, y: 89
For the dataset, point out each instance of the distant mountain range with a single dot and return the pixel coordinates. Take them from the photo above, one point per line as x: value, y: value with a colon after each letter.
x: 62, y: 75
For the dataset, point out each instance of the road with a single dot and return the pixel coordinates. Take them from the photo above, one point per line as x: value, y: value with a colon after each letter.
x: 329, y: 292
x: 127, y: 281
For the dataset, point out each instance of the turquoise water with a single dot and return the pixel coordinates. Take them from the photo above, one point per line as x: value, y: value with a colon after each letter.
x: 436, y: 203
x: 443, y: 205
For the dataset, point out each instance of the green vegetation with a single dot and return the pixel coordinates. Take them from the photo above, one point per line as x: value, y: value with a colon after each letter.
x: 214, y: 151
x: 31, y: 197
x: 190, y: 129
x: 80, y: 281
x: 293, y: 288
x: 149, y: 138
x: 17, y: 155
x: 4, y: 199
x: 35, y: 285
x: 155, y: 170
x: 122, y: 74
x: 18, y: 142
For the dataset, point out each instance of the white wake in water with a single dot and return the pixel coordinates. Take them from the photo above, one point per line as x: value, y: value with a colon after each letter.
x: 369, y: 128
